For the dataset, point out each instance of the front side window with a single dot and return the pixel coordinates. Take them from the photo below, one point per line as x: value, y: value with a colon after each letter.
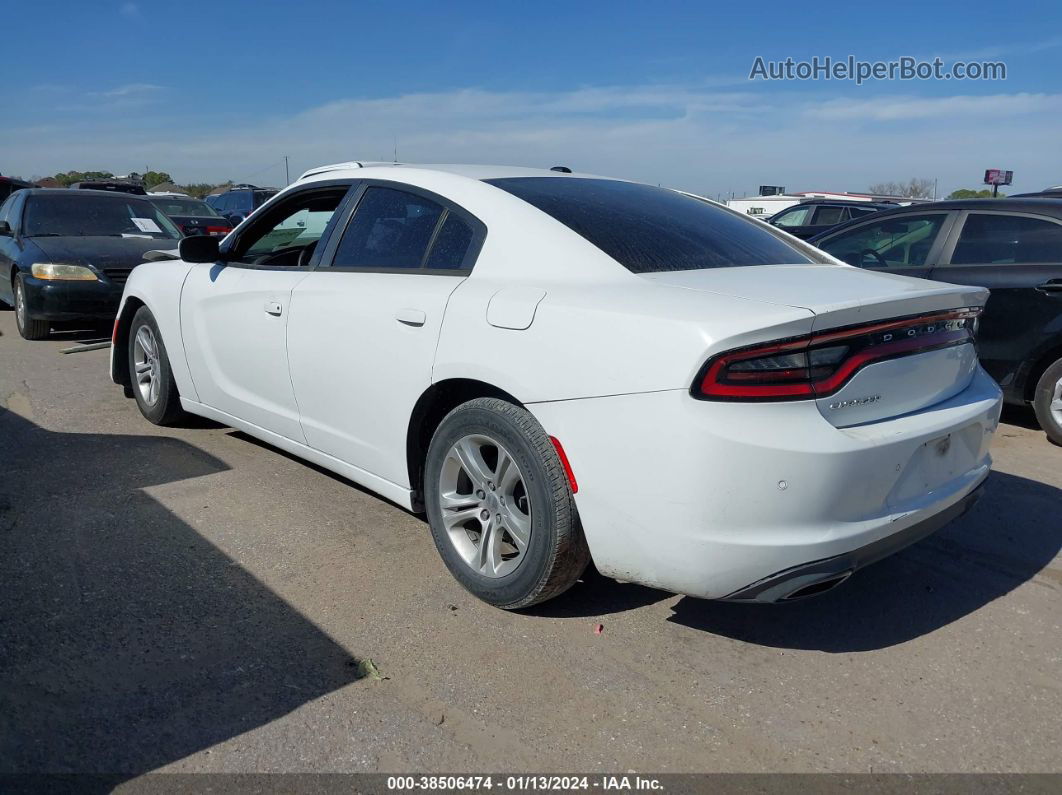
x: 288, y: 233
x: 798, y: 217
x: 86, y: 215
x: 1007, y: 240
x: 648, y: 229
x: 390, y: 229
x: 897, y: 242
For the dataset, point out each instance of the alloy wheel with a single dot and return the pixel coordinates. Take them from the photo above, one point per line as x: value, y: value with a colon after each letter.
x: 486, y: 510
x: 1055, y: 406
x: 146, y: 367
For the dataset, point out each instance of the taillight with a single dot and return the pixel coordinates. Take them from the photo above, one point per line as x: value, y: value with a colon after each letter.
x: 821, y: 363
x: 218, y: 231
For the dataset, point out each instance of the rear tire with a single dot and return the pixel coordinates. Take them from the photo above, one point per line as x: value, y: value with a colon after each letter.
x: 29, y: 328
x: 1047, y: 402
x: 500, y: 507
x: 150, y: 375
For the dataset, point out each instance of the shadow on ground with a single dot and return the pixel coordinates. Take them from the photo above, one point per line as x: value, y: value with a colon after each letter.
x: 127, y: 640
x: 1008, y: 538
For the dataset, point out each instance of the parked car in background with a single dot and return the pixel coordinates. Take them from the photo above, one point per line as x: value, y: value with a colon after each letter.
x: 192, y: 216
x: 815, y: 216
x: 1047, y: 193
x: 116, y: 186
x: 1011, y: 246
x: 65, y: 255
x: 239, y: 201
x: 9, y: 185
x: 557, y: 366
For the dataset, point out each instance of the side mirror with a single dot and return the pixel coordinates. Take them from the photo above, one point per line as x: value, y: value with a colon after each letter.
x: 199, y: 248
x: 5, y: 228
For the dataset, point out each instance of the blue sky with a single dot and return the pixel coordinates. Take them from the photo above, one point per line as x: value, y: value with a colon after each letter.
x: 651, y: 91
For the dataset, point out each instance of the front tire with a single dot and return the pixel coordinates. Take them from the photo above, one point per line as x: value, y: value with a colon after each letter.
x: 1047, y: 402
x: 29, y: 328
x: 153, y: 386
x: 500, y: 507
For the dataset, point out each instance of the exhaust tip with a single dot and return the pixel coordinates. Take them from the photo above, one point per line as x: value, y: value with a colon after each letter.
x: 816, y: 588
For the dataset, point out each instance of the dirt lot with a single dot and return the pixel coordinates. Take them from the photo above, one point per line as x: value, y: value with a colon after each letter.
x: 191, y: 600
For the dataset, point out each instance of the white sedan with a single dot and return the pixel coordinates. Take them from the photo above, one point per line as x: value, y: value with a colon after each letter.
x: 557, y: 367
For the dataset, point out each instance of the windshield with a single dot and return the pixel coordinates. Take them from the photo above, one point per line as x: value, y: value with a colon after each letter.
x: 84, y: 215
x: 185, y: 207
x: 648, y: 229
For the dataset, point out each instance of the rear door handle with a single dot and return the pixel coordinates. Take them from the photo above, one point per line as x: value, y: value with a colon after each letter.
x: 273, y: 307
x: 1052, y: 286
x: 411, y: 317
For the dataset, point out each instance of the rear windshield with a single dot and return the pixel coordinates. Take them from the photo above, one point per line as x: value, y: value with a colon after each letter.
x: 85, y: 215
x: 649, y: 229
x: 183, y: 207
x: 262, y: 196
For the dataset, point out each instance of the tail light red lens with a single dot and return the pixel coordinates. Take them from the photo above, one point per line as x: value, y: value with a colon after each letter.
x: 819, y: 364
x: 218, y: 231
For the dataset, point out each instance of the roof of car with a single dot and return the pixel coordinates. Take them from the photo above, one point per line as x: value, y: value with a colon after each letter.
x: 1040, y: 204
x: 83, y: 192
x: 479, y: 172
x: 847, y: 203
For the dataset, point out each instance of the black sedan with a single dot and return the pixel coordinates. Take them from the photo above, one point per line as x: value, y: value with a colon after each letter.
x: 1011, y: 246
x: 192, y: 216
x: 65, y: 255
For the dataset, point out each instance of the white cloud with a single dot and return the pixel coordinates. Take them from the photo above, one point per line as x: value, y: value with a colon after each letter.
x: 906, y: 108
x: 700, y: 138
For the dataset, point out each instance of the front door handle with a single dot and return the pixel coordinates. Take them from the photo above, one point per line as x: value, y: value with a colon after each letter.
x: 1052, y: 286
x: 411, y: 317
x: 273, y: 308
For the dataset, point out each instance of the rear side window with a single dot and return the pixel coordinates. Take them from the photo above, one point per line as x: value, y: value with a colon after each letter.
x: 829, y: 216
x: 389, y: 229
x: 649, y: 229
x: 451, y: 246
x: 1007, y: 240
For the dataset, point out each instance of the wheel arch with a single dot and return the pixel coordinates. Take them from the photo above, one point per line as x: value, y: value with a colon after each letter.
x: 120, y: 340
x: 436, y: 402
x: 1038, y: 367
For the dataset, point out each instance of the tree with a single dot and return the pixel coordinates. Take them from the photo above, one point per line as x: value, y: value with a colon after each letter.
x: 915, y: 188
x: 153, y: 178
x: 970, y: 193
x: 199, y: 189
x: 68, y: 178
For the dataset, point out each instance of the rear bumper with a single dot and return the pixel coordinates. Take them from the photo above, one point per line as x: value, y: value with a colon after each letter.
x: 809, y: 579
x: 71, y: 300
x: 719, y: 500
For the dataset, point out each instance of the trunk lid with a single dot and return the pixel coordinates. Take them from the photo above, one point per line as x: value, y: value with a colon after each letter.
x: 840, y: 296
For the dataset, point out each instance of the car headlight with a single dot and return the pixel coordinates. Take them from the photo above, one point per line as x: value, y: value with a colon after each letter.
x: 58, y: 272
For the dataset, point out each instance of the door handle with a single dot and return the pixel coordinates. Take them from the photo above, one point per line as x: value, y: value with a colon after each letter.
x: 1052, y: 286
x: 411, y: 317
x: 273, y: 308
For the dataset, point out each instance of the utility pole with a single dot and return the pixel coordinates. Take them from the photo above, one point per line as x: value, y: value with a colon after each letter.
x: 287, y: 176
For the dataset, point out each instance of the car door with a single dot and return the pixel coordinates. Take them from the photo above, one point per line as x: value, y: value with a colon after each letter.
x: 1018, y: 256
x: 235, y: 313
x: 905, y: 243
x: 365, y: 324
x: 10, y: 244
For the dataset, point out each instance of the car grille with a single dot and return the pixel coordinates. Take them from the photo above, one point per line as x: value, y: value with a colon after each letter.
x: 117, y: 275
